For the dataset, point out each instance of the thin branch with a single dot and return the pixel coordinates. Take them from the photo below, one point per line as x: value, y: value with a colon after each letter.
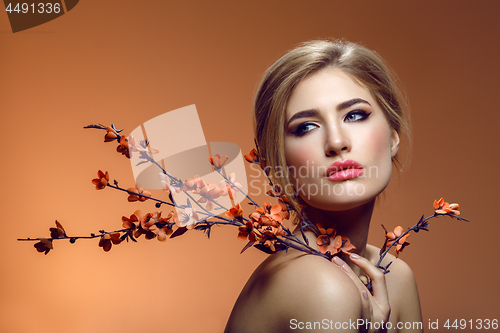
x: 232, y: 185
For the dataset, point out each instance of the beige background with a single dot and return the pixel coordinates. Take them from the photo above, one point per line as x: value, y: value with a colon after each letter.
x: 128, y: 61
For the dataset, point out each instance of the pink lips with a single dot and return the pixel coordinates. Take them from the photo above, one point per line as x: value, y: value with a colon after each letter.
x: 343, y: 170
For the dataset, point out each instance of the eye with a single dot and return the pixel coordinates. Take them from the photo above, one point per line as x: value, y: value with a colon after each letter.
x: 303, y: 128
x: 356, y: 115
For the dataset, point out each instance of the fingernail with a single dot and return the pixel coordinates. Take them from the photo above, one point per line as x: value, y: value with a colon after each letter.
x: 337, y: 261
x: 354, y: 256
x: 365, y: 294
x: 346, y: 268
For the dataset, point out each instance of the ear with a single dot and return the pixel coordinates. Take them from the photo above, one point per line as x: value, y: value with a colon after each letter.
x: 394, y: 143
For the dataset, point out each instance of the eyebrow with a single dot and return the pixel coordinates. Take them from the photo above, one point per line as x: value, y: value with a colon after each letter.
x: 302, y: 114
x: 340, y: 107
x: 350, y: 103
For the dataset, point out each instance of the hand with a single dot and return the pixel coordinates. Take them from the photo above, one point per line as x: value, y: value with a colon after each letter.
x: 376, y: 307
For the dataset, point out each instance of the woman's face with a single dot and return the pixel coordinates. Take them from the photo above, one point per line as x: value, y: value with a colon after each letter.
x: 338, y: 143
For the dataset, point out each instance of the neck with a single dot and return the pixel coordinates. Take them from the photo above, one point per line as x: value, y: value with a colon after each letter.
x: 353, y: 223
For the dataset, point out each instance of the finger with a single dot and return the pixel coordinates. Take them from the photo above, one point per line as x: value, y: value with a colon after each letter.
x: 339, y: 262
x: 376, y: 276
x: 345, y: 267
x: 366, y: 305
x: 364, y: 279
x: 365, y: 295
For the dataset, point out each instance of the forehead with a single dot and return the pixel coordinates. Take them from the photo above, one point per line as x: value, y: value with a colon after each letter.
x: 325, y: 90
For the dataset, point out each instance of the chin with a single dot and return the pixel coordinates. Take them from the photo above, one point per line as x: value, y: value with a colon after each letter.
x: 339, y: 204
x: 341, y: 196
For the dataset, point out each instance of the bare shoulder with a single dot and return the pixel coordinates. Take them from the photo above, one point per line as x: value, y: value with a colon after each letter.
x: 292, y: 290
x: 402, y: 288
x: 317, y: 282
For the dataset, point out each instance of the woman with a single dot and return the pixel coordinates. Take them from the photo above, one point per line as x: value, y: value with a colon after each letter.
x: 329, y: 114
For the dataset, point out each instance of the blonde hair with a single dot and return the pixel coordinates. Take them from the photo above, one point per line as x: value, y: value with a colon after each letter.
x: 363, y: 65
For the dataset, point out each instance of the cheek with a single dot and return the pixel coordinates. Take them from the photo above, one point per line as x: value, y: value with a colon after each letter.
x: 297, y: 155
x: 378, y: 144
x: 379, y: 140
x: 299, y: 159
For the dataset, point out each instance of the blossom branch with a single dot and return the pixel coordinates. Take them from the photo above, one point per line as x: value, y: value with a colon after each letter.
x: 74, y: 238
x: 397, y: 238
x: 234, y: 186
x: 302, y: 247
x: 140, y: 195
x: 264, y: 229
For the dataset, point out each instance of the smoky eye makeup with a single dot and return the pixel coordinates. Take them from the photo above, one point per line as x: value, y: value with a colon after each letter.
x: 356, y: 116
x: 303, y: 128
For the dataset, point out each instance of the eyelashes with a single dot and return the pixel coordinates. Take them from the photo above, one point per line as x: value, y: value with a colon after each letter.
x: 356, y: 115
x: 303, y: 128
x: 350, y: 117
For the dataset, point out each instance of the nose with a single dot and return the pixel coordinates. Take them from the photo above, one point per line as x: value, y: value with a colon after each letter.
x: 336, y: 142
